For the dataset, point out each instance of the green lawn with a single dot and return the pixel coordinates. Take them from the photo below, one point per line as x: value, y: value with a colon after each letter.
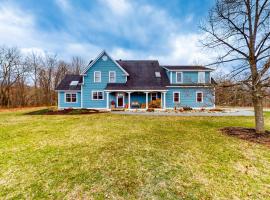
x: 106, y: 156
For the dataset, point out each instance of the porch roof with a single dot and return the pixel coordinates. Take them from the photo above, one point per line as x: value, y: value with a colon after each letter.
x: 126, y: 86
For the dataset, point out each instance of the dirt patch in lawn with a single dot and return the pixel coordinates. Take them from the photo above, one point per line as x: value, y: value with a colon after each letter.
x: 66, y: 112
x: 248, y: 134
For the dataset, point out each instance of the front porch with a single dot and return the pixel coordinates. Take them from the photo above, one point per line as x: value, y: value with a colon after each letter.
x: 136, y: 99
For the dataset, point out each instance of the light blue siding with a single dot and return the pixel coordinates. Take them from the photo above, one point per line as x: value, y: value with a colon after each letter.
x: 89, y: 85
x: 188, y: 97
x: 63, y: 104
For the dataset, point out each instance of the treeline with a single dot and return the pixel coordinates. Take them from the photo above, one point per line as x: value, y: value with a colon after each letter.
x: 29, y: 80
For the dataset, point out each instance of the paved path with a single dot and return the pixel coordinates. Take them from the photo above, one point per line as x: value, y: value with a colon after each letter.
x: 218, y: 114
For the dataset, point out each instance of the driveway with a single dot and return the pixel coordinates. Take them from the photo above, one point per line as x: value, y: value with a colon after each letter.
x: 231, y: 112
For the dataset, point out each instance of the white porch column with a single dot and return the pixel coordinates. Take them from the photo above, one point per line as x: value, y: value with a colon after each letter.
x: 161, y: 101
x: 146, y: 102
x: 129, y: 100
x: 107, y: 99
x: 164, y: 102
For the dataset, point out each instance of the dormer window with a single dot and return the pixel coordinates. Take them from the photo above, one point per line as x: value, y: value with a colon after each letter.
x: 201, y: 77
x: 112, y: 76
x: 97, y: 76
x: 179, y: 77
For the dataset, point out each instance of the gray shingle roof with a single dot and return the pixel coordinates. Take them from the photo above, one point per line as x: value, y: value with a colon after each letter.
x: 185, y: 67
x: 65, y: 83
x: 141, y: 75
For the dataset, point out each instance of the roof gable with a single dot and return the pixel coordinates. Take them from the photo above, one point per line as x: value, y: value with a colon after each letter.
x: 100, y: 57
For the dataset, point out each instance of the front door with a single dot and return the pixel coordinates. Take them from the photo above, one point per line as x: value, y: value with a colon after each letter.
x: 120, y: 101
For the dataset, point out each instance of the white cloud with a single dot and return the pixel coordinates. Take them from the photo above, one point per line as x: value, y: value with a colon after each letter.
x: 151, y: 33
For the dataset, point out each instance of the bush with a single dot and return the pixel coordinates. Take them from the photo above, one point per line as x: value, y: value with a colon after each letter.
x: 155, y: 103
x: 186, y: 108
x: 150, y: 110
x: 143, y: 105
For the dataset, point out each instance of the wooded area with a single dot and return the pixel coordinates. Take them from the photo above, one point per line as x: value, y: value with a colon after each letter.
x: 29, y: 80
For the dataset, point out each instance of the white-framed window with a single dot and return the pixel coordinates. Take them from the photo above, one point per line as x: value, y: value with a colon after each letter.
x: 154, y: 96
x: 97, y: 76
x: 70, y: 97
x: 97, y: 95
x: 199, y: 97
x: 179, y: 77
x: 201, y: 77
x: 176, y: 97
x: 112, y: 76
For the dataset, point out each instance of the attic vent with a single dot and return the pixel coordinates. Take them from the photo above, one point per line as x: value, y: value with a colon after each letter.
x: 74, y: 83
x: 157, y: 74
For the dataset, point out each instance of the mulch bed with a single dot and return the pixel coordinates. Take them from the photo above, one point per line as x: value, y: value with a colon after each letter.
x: 248, y: 134
x: 66, y: 112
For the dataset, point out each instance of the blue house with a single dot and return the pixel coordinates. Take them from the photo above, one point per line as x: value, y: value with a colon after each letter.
x: 135, y: 84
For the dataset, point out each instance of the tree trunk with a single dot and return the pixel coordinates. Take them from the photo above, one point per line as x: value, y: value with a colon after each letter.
x: 259, y: 119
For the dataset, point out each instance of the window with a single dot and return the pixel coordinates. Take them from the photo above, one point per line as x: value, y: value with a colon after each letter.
x: 179, y: 77
x: 201, y: 77
x: 74, y: 83
x: 97, y: 95
x: 199, y: 97
x: 176, y: 97
x: 157, y: 74
x: 97, y: 76
x: 71, y: 97
x: 154, y: 96
x: 112, y: 76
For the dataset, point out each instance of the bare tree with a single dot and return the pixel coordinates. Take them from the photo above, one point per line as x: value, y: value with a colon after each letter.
x: 77, y: 65
x: 11, y: 69
x: 240, y: 31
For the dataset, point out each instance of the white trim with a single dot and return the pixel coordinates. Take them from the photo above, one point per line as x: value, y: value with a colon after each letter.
x: 196, y: 96
x: 67, y: 90
x: 120, y: 95
x: 171, y: 77
x: 164, y: 96
x: 58, y: 99
x: 95, y: 81
x: 180, y: 75
x: 146, y: 100
x: 97, y: 95
x: 135, y: 90
x: 189, y: 70
x: 107, y: 99
x: 65, y: 96
x: 187, y: 86
x: 179, y: 97
x: 97, y: 58
x: 110, y: 76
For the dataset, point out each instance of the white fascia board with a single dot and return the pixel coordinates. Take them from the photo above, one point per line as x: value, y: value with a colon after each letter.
x: 97, y: 58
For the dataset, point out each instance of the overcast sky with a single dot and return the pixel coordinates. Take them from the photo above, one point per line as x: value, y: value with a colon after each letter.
x: 166, y: 30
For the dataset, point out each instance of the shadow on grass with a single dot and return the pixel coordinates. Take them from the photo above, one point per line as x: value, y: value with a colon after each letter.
x: 48, y: 111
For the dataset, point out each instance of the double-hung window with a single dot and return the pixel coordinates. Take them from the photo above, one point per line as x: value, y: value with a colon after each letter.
x: 176, y: 97
x: 97, y: 95
x: 199, y: 97
x: 97, y: 76
x: 112, y: 76
x: 71, y: 97
x: 179, y: 77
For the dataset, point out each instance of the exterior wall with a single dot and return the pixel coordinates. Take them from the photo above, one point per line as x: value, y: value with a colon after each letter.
x: 89, y: 84
x: 188, y: 97
x: 62, y: 102
x: 188, y: 77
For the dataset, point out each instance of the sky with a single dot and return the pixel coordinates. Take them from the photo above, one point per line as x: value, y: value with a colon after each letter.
x: 166, y: 30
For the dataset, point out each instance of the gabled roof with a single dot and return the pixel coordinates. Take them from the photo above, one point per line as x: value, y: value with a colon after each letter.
x: 186, y: 68
x: 142, y: 76
x: 65, y: 83
x: 97, y: 58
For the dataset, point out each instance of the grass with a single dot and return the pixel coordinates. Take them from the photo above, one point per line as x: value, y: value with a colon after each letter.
x: 107, y: 156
